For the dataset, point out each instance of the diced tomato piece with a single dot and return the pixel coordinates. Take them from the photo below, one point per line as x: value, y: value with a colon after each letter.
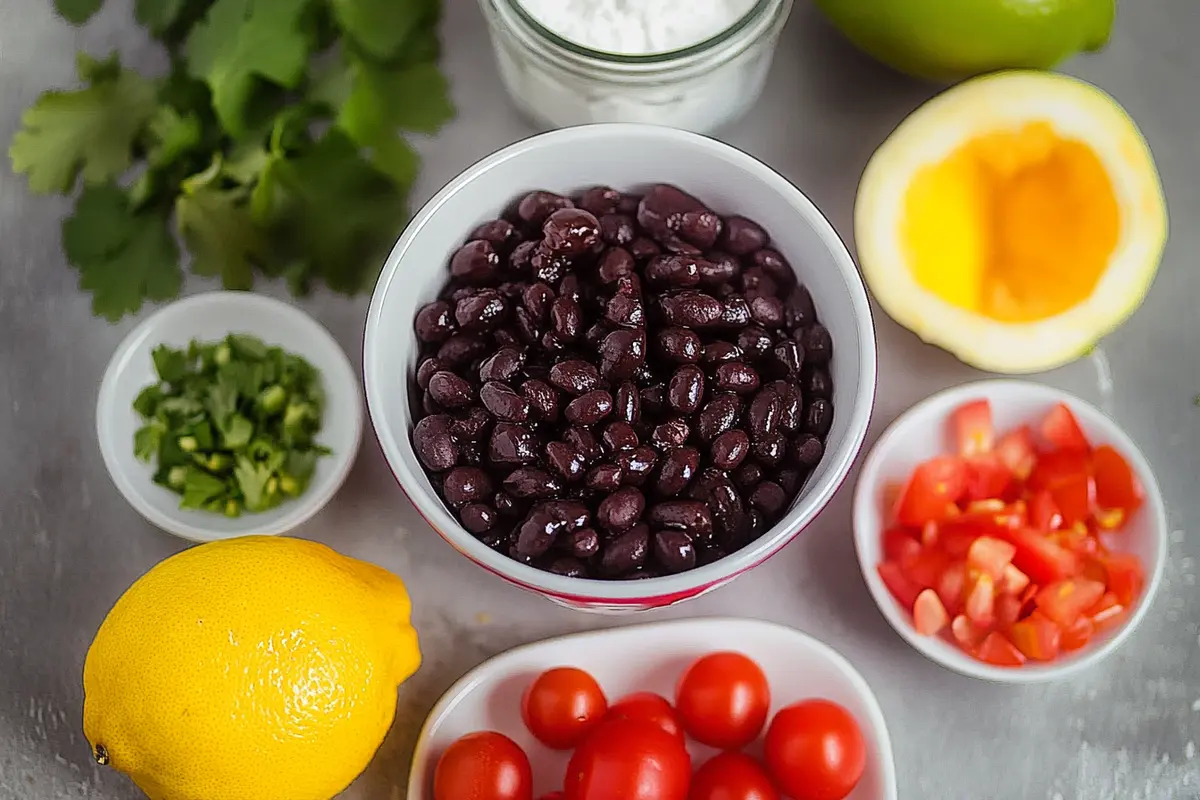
x: 987, y: 477
x: 1075, y: 498
x: 1058, y: 467
x: 952, y: 585
x: 1106, y: 612
x: 998, y: 650
x: 1009, y: 609
x: 1062, y: 430
x: 955, y: 536
x: 1013, y: 581
x: 988, y: 505
x: 1036, y: 636
x: 926, y: 567
x: 972, y: 426
x: 1078, y: 634
x: 990, y: 555
x: 1016, y: 451
x: 1043, y: 512
x: 1064, y: 601
x: 899, y: 544
x: 1039, y: 558
x: 899, y: 584
x: 967, y: 633
x: 929, y: 534
x: 933, y: 486
x: 1109, y: 519
x: 1117, y: 488
x: 929, y: 615
x: 980, y: 604
x: 1126, y: 577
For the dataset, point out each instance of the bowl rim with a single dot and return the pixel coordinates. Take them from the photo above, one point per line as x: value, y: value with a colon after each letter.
x: 866, y: 493
x: 669, y: 588
x: 301, y: 509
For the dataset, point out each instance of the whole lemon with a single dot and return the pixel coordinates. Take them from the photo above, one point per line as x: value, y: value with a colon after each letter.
x: 946, y: 40
x: 258, y: 667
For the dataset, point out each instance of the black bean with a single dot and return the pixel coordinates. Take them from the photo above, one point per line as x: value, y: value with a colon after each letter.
x: 537, y: 298
x: 625, y: 307
x: 735, y: 376
x: 476, y: 263
x: 590, y: 408
x: 730, y: 449
x: 636, y: 464
x: 449, y: 390
x: 434, y: 445
x: 583, y: 543
x: 719, y: 414
x: 815, y: 382
x: 621, y: 353
x: 626, y: 552
x: 617, y: 230
x: 674, y: 551
x: 743, y: 236
x: 574, y: 376
x: 754, y: 342
x: 691, y: 309
x: 480, y: 312
x: 767, y: 311
x: 629, y: 404
x: 565, y: 461
x: 572, y: 512
x: 770, y: 449
x: 700, y: 228
x: 604, y: 478
x: 426, y: 370
x: 678, y: 467
x: 506, y: 505
x: 789, y: 356
x: 538, y: 531
x: 662, y: 207
x: 543, y: 399
x: 511, y: 443
x: 502, y: 234
x: 478, y: 518
x: 503, y: 403
x: 798, y: 309
x: 686, y: 390
x: 791, y: 480
x: 791, y: 408
x: 806, y: 450
x: 619, y: 435
x: 818, y: 416
x: 672, y: 433
x: 600, y: 200
x: 769, y: 498
x: 690, y: 516
x: 531, y: 482
x: 503, y: 365
x: 535, y: 207
x: 460, y: 349
x: 774, y: 264
x: 719, y: 269
x: 736, y: 312
x: 435, y: 322
x: 568, y: 568
x: 466, y: 485
x: 764, y: 413
x: 748, y: 475
x: 679, y: 345
x: 584, y: 442
x: 571, y: 231
x: 643, y: 248
x: 621, y: 510
x: 757, y: 283
x: 672, y: 272
x: 818, y: 345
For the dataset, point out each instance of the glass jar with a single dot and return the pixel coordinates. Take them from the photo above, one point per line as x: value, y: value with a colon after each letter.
x: 557, y: 83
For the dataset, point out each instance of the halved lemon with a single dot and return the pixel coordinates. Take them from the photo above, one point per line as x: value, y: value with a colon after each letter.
x: 1013, y: 220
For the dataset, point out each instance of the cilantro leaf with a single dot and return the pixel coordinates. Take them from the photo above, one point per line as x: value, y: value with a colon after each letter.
x: 216, y: 225
x: 170, y: 364
x: 77, y: 12
x: 331, y: 211
x: 240, y: 41
x: 123, y: 257
x: 374, y: 102
x: 147, y: 440
x: 90, y: 130
x: 382, y: 27
x: 199, y: 488
x: 157, y: 16
x: 172, y: 136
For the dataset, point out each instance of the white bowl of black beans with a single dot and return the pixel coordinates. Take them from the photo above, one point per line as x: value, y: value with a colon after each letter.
x: 619, y: 365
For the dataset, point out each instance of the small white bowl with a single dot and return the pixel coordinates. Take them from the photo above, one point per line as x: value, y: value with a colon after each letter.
x: 650, y: 658
x: 921, y: 433
x: 627, y: 157
x: 208, y: 317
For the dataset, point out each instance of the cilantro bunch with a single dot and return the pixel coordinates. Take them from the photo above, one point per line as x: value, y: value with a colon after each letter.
x: 273, y: 146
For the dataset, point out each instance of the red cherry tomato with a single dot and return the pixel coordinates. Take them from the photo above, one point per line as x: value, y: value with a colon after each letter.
x: 723, y: 699
x: 562, y: 706
x: 648, y: 707
x: 732, y: 776
x: 815, y: 751
x: 631, y: 760
x: 483, y: 766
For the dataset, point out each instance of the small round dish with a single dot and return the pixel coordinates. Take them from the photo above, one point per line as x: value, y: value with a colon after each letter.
x: 921, y: 433
x: 650, y: 657
x: 207, y: 317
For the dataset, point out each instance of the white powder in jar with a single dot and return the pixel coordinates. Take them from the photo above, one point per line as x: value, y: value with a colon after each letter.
x: 637, y: 27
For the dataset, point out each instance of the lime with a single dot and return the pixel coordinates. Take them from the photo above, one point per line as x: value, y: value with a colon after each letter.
x: 947, y: 40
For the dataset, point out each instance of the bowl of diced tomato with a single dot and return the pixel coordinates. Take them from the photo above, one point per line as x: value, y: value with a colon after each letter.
x: 1010, y: 531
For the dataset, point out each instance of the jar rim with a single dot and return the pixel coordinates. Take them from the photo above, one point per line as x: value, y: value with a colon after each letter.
x: 759, y: 8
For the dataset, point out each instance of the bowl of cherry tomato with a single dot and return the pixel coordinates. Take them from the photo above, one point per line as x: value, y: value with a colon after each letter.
x: 654, y: 712
x: 1010, y: 531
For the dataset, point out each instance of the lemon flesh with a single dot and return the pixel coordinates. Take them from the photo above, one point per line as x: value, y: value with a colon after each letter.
x: 947, y: 40
x: 1013, y: 220
x: 257, y: 667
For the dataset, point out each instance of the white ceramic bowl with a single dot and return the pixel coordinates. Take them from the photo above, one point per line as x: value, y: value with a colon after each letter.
x: 921, y: 433
x: 207, y: 317
x: 625, y: 156
x: 651, y: 658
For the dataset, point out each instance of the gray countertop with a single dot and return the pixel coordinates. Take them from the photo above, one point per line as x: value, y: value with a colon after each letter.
x: 69, y: 545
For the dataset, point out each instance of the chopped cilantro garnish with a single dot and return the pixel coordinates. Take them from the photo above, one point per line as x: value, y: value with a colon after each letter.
x: 232, y: 424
